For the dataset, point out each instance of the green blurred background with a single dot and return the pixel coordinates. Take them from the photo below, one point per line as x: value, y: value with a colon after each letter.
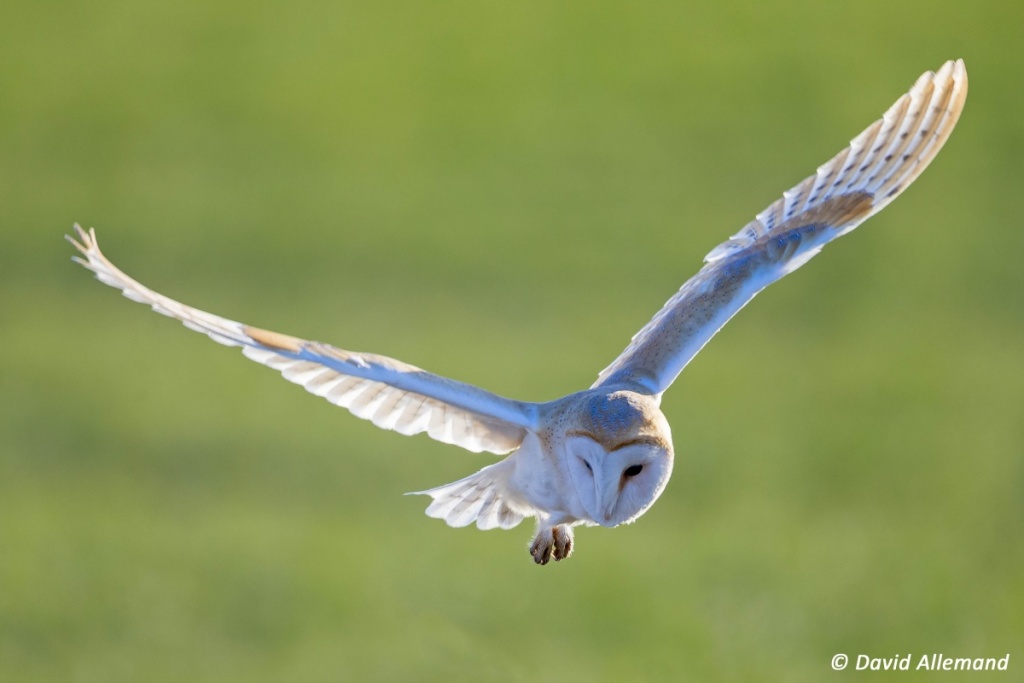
x: 451, y: 184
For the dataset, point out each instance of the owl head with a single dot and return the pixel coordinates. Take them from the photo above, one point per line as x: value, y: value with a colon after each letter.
x: 619, y: 456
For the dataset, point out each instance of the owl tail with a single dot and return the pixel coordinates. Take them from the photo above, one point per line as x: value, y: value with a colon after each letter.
x: 477, y: 498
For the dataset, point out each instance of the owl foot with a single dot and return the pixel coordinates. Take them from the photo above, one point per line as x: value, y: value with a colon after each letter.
x: 554, y: 543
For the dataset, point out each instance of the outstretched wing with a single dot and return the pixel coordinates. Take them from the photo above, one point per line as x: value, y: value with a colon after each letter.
x: 857, y: 183
x: 391, y: 394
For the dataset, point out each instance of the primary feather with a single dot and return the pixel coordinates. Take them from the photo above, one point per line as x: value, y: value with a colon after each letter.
x: 391, y: 394
x: 857, y: 183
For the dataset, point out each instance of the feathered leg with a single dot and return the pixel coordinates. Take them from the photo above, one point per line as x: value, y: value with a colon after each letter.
x: 552, y: 543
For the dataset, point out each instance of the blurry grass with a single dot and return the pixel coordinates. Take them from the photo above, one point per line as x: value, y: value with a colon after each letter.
x: 502, y: 195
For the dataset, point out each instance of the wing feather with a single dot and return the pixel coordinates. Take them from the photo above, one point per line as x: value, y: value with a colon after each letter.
x: 391, y: 394
x: 854, y: 185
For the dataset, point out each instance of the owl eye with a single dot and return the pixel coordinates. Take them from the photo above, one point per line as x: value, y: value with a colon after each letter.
x: 589, y: 468
x: 633, y: 470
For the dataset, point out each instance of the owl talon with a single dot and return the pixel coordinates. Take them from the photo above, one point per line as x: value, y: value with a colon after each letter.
x: 563, y: 542
x: 542, y: 547
x: 554, y: 543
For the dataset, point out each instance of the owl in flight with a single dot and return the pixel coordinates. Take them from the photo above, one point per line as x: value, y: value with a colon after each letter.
x: 601, y: 456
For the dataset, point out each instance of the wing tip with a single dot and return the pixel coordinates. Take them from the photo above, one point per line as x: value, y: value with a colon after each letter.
x: 948, y: 82
x: 86, y: 240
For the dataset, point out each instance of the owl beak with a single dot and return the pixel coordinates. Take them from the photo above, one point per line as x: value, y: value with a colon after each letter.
x: 610, y: 497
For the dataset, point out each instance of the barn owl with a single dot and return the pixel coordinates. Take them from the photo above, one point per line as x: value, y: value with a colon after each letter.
x: 601, y: 456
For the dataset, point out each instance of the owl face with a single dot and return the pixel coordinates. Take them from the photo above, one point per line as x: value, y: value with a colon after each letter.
x: 615, y: 486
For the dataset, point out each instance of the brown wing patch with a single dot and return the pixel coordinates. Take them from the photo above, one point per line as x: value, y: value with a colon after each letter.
x: 782, y: 242
x: 835, y: 211
x: 274, y: 340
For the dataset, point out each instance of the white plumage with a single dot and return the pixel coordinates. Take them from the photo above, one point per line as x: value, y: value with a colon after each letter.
x: 600, y: 456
